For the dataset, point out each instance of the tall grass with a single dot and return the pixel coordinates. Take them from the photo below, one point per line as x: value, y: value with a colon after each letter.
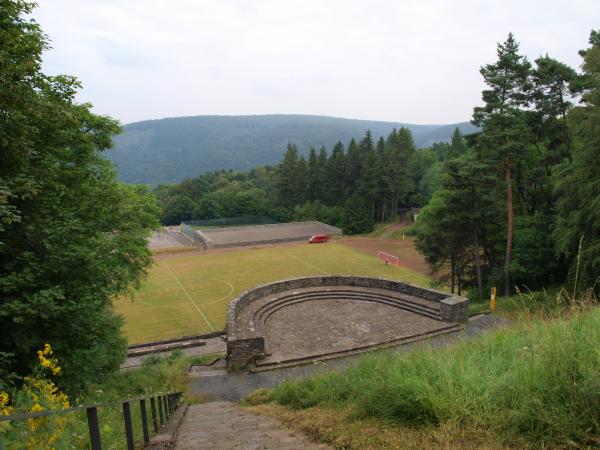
x: 538, y: 380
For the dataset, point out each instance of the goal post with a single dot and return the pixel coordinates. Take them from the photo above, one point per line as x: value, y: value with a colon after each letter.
x: 388, y: 259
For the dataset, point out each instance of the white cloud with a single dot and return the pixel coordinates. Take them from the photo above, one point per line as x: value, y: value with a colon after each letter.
x: 409, y: 61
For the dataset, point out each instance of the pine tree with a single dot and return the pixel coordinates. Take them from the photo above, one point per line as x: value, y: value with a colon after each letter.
x: 369, y: 180
x: 458, y: 146
x: 335, y: 177
x: 322, y: 164
x: 504, y: 133
x: 353, y: 165
x: 291, y: 178
x: 314, y: 177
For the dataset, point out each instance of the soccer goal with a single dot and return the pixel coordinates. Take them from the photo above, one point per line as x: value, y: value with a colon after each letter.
x: 389, y: 260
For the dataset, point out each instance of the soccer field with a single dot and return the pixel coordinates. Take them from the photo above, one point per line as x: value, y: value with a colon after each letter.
x: 189, y: 294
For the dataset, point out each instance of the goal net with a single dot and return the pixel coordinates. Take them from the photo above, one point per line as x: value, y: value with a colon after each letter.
x: 388, y: 259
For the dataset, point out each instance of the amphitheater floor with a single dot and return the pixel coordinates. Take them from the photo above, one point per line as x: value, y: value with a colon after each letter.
x: 318, y: 327
x: 316, y: 323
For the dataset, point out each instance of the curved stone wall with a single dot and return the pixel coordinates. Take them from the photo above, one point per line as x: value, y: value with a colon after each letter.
x: 245, y: 346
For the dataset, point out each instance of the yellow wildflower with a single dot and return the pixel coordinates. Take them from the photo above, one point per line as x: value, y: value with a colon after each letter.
x: 5, y: 410
x: 37, y: 408
x: 45, y: 362
x: 47, y: 349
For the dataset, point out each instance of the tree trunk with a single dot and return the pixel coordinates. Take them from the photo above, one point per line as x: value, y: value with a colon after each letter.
x: 476, y: 253
x: 458, y: 281
x: 452, y: 274
x: 509, y: 231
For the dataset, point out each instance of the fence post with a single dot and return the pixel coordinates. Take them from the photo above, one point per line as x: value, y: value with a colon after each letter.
x: 94, y: 428
x: 170, y: 403
x: 144, y: 420
x: 153, y: 411
x: 164, y: 398
x: 128, y: 425
x: 160, y: 410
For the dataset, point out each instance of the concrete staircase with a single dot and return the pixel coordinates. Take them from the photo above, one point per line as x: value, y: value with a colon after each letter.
x: 224, y: 426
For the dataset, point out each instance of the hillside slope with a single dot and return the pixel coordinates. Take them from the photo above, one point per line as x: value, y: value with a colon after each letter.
x: 169, y: 150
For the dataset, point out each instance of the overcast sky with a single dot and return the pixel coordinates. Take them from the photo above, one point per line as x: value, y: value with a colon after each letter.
x: 403, y: 60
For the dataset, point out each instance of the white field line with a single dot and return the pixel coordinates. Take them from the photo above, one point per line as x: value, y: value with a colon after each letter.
x: 225, y: 297
x: 190, y: 298
x: 307, y: 263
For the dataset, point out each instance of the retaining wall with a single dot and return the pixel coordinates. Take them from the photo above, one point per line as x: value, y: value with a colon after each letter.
x: 244, y: 346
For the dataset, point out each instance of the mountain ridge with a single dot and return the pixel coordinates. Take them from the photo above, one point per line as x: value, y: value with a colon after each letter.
x: 160, y: 151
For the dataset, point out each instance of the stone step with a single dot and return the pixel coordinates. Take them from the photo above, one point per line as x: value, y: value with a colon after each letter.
x: 407, y: 306
x: 265, y: 311
x: 261, y: 366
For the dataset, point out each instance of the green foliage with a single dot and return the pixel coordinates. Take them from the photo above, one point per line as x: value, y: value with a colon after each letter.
x: 537, y: 154
x: 71, y: 237
x: 291, y: 179
x: 357, y: 218
x: 521, y: 383
x: 579, y: 184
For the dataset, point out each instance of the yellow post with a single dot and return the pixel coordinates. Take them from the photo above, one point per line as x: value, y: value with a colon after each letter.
x: 493, y: 299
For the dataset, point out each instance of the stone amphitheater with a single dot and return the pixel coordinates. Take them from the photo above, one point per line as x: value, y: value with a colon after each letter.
x: 315, y: 318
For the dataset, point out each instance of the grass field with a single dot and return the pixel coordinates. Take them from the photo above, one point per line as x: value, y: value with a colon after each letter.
x: 189, y: 294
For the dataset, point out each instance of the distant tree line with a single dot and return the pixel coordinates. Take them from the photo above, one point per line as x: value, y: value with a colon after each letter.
x: 352, y: 187
x: 521, y: 206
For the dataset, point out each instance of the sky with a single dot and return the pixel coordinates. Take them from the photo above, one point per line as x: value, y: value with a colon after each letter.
x: 402, y: 61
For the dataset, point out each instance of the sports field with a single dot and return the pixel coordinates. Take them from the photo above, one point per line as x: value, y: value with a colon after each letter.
x: 189, y: 294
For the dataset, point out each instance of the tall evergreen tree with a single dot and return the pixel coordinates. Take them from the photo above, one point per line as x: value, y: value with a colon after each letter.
x: 291, y: 178
x: 458, y: 146
x: 335, y: 176
x: 352, y: 166
x: 369, y: 180
x: 504, y: 133
x: 314, y: 177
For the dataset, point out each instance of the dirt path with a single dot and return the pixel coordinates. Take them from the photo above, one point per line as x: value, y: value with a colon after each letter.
x: 387, y: 234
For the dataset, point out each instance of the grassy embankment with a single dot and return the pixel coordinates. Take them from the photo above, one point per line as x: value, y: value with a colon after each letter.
x: 536, y: 384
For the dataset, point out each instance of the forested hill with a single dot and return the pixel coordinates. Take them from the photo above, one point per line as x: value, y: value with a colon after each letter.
x: 169, y: 150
